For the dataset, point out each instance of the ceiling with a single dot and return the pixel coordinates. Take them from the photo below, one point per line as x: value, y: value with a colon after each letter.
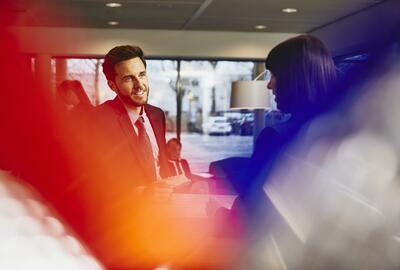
x: 207, y: 15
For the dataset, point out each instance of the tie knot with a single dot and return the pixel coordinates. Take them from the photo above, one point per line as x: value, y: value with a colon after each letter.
x: 140, y: 120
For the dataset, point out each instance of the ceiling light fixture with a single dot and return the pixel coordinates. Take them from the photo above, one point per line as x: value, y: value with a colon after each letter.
x: 113, y: 23
x: 289, y: 10
x: 113, y: 4
x: 260, y: 27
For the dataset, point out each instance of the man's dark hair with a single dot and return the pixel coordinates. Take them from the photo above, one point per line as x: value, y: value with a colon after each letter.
x: 119, y: 54
x: 174, y: 140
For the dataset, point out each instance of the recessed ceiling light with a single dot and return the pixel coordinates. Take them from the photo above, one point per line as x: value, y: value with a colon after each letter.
x: 289, y: 10
x: 113, y: 23
x: 113, y: 4
x: 260, y: 27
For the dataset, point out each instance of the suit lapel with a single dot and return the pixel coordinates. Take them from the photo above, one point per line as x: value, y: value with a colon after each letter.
x: 155, y: 124
x: 124, y: 121
x: 156, y: 120
x: 126, y: 126
x: 129, y: 133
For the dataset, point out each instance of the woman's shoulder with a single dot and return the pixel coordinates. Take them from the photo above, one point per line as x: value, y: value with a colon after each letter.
x: 268, y: 132
x: 277, y: 134
x: 276, y: 129
x: 288, y: 127
x: 267, y: 139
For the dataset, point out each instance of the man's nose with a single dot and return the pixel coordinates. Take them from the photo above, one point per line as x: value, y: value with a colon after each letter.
x: 136, y: 82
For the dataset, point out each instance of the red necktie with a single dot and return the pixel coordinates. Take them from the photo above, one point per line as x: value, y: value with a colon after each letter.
x: 145, y: 145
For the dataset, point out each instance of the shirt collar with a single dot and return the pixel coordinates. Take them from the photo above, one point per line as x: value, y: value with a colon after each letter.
x: 133, y: 115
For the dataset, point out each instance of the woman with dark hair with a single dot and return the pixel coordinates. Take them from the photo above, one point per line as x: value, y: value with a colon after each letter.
x: 302, y: 75
x: 303, y: 78
x: 72, y: 94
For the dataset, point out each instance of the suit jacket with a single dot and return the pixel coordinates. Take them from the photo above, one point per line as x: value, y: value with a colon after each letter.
x: 118, y: 139
x: 102, y: 202
x: 185, y: 167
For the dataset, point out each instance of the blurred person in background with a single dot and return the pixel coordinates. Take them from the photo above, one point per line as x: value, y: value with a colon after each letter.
x: 177, y: 165
x: 72, y: 95
x: 180, y: 168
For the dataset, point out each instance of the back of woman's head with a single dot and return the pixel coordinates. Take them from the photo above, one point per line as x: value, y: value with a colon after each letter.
x: 305, y: 74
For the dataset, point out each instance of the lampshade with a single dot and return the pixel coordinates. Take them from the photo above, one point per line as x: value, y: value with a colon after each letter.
x: 250, y: 95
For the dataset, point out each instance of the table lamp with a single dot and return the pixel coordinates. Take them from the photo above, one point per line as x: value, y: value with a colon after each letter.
x: 252, y: 95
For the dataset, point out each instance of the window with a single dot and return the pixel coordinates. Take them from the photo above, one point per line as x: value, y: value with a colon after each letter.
x: 205, y: 87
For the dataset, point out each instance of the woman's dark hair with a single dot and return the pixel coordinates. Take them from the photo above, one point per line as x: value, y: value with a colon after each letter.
x: 119, y: 54
x: 76, y: 87
x: 305, y: 74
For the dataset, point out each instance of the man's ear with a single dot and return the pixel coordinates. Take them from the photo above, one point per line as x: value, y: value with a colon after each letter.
x: 112, y: 85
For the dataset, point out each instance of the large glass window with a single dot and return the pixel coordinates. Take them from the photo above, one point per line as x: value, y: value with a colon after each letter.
x: 89, y: 72
x: 207, y: 122
x: 162, y: 76
x: 210, y: 131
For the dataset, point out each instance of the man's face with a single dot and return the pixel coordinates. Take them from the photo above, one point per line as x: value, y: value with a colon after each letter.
x: 174, y: 150
x: 130, y: 82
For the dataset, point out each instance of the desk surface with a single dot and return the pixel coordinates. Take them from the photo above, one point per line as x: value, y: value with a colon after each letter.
x: 195, y: 205
x: 203, y: 249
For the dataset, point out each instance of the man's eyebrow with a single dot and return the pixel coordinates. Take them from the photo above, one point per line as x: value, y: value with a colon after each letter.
x: 133, y: 75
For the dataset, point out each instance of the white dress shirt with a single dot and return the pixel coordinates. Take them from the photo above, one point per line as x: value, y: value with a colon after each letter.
x: 133, y: 116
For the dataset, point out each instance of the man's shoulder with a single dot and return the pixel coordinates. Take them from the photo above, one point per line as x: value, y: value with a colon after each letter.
x: 109, y: 108
x: 106, y: 106
x: 184, y: 160
x: 154, y: 110
x: 106, y: 113
x: 151, y: 108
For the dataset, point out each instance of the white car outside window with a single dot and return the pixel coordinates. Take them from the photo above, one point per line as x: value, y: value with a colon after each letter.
x: 217, y: 125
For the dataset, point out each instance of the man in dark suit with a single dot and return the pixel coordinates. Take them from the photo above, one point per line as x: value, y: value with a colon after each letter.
x: 179, y: 169
x: 177, y: 165
x: 132, y: 130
